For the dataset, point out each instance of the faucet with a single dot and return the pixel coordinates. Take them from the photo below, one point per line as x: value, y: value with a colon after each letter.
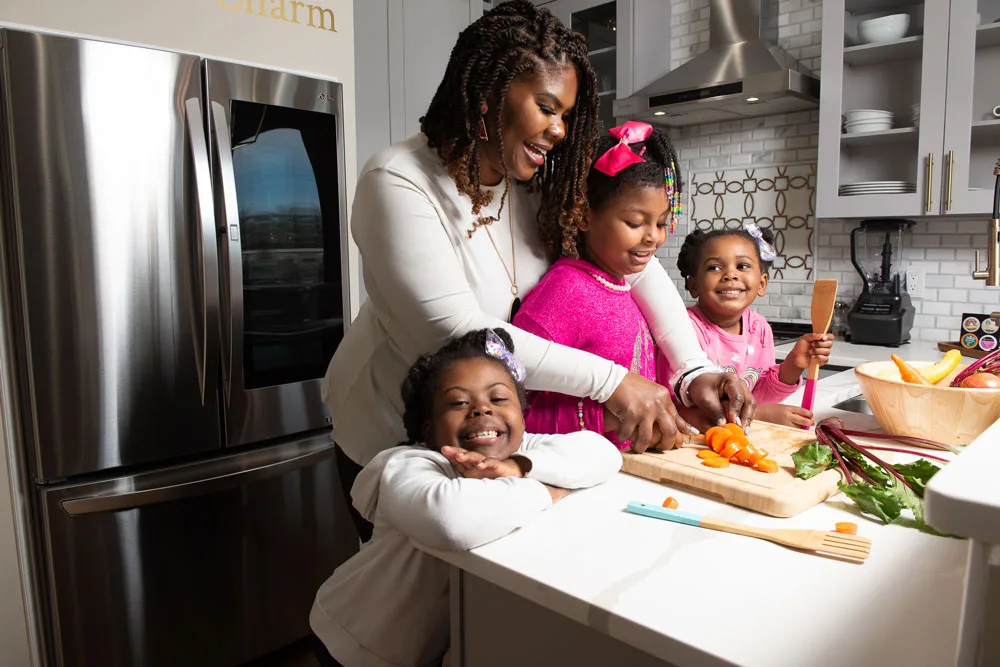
x: 992, y: 273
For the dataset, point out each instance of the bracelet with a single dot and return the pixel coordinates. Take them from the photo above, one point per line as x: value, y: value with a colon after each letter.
x: 579, y: 415
x: 684, y: 383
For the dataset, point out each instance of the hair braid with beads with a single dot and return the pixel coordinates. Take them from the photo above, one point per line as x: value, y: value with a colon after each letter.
x: 514, y: 38
x: 658, y: 155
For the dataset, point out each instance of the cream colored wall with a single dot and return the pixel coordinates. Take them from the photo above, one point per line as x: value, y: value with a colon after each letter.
x: 222, y: 29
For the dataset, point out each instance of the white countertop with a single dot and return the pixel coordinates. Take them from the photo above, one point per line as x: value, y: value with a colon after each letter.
x: 695, y: 597
x: 852, y: 354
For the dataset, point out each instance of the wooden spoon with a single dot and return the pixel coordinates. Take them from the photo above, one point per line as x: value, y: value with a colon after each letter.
x: 823, y: 302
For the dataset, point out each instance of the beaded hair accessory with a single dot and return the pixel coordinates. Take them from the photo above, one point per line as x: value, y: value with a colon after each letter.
x: 767, y: 251
x: 496, y: 349
x: 673, y: 196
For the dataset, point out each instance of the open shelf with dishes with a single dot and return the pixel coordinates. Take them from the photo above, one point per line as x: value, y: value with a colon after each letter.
x: 914, y: 89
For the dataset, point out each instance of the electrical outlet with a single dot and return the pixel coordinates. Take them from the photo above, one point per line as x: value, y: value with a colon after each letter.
x: 915, y: 282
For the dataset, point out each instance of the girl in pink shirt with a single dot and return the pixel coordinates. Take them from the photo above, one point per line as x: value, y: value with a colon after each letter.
x: 726, y: 270
x: 634, y: 194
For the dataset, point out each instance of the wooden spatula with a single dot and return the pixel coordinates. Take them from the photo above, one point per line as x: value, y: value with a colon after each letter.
x: 823, y: 302
x: 819, y: 541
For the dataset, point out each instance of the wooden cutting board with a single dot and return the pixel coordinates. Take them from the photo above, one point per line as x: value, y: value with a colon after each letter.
x: 966, y: 352
x: 779, y: 494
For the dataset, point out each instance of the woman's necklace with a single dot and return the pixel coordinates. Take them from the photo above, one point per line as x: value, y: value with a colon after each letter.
x: 515, y: 305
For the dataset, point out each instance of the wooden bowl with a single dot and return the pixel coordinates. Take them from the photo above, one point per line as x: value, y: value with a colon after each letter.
x: 950, y: 415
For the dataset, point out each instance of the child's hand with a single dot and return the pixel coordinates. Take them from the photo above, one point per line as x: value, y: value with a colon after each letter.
x: 807, y: 349
x: 787, y: 415
x: 476, y: 466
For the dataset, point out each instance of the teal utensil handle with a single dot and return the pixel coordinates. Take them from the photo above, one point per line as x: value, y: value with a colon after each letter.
x: 658, y: 512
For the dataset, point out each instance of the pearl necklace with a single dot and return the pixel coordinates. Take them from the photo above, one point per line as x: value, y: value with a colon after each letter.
x: 627, y: 287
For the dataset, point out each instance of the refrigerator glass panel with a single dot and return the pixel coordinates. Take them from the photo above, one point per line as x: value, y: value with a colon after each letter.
x: 285, y: 163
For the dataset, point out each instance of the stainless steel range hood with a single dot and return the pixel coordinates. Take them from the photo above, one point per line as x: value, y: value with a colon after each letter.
x: 743, y: 74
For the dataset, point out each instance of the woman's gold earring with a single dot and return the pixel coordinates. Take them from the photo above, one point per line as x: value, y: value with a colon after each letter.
x: 483, y: 134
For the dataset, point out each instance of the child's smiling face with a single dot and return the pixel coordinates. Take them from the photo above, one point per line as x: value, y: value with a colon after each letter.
x: 728, y: 279
x: 476, y: 407
x: 622, y: 236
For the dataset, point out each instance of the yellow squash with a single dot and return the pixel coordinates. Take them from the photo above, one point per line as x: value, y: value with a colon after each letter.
x: 941, y: 369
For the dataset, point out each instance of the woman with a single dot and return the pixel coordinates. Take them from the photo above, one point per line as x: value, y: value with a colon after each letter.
x: 455, y: 223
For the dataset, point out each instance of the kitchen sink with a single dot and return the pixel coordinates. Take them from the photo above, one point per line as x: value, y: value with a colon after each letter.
x: 854, y: 404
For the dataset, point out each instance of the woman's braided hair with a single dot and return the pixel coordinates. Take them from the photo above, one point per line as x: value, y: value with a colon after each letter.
x: 515, y: 38
x: 689, y: 256
x: 421, y: 382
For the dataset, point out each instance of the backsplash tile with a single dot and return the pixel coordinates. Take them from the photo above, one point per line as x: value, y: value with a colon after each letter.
x: 943, y: 248
x: 778, y: 198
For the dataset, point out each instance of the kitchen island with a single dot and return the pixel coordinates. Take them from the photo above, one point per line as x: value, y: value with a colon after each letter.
x: 589, y: 584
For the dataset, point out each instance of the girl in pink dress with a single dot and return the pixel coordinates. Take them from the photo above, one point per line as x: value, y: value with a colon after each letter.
x: 726, y: 270
x: 584, y: 302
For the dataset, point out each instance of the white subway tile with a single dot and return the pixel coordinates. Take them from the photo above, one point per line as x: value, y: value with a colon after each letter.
x: 939, y: 253
x: 936, y: 280
x: 954, y: 268
x: 752, y: 146
x: 957, y: 295
x: 802, y: 16
x: 935, y: 308
x: 720, y: 138
x: 789, y: 6
x: 763, y: 133
x: 774, y: 144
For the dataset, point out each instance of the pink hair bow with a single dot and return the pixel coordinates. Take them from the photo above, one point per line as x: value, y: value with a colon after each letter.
x: 620, y: 155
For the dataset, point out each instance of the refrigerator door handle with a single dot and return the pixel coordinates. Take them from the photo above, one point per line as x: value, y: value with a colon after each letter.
x: 206, y: 350
x: 229, y: 230
x: 230, y: 473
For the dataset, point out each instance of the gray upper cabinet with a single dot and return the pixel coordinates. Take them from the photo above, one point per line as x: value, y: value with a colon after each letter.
x: 972, y: 131
x: 938, y: 80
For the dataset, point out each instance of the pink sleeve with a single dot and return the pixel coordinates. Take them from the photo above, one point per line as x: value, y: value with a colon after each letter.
x: 770, y: 388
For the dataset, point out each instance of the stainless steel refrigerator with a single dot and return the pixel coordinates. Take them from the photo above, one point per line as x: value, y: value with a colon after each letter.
x: 174, y: 284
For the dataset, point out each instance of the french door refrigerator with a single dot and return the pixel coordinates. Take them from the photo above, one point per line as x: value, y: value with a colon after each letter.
x: 174, y: 271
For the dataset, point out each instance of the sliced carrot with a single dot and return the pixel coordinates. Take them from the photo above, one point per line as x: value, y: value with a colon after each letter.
x: 716, y: 438
x: 757, y: 455
x: 743, y: 456
x: 717, y: 462
x: 767, y: 465
x: 846, y: 527
x: 729, y: 451
x: 671, y: 503
x: 707, y: 454
x: 734, y: 429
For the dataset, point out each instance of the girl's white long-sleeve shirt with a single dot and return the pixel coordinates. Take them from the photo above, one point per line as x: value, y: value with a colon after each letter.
x: 388, y: 605
x: 428, y: 282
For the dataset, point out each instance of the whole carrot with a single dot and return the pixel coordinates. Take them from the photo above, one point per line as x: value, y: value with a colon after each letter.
x: 908, y: 372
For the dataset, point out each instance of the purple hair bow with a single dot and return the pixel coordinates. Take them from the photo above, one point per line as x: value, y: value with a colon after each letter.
x: 620, y: 155
x: 496, y: 349
x: 767, y: 251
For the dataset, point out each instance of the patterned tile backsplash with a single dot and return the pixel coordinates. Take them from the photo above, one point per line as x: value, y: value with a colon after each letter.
x: 781, y: 199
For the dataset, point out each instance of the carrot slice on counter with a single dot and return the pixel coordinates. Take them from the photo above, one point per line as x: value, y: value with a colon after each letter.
x: 671, y: 503
x: 757, y: 455
x: 846, y: 527
x: 717, y: 462
x: 729, y: 451
x: 707, y: 454
x: 767, y: 465
x: 734, y: 429
x: 716, y: 438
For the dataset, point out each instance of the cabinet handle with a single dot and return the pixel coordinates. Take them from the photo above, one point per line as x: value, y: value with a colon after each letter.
x: 928, y: 179
x: 950, y: 166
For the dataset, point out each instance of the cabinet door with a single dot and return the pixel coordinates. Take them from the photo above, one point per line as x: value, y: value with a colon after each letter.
x: 904, y: 76
x: 972, y: 130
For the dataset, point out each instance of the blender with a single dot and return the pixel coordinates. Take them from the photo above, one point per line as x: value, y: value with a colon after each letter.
x: 883, y: 313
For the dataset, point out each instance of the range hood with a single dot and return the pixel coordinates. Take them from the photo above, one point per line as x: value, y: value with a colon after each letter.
x: 743, y: 74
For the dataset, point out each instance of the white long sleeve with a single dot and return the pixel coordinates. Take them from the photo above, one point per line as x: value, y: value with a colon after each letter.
x: 572, y: 461
x: 666, y: 314
x: 426, y: 499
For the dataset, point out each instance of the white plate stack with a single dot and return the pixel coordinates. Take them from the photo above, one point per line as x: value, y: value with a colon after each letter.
x: 915, y: 108
x: 877, y: 188
x: 867, y: 120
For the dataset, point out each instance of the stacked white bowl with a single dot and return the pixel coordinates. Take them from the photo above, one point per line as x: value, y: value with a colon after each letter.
x: 915, y: 108
x: 867, y: 120
x: 885, y: 29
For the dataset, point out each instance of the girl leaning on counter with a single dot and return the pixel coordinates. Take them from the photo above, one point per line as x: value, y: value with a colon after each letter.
x: 458, y: 222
